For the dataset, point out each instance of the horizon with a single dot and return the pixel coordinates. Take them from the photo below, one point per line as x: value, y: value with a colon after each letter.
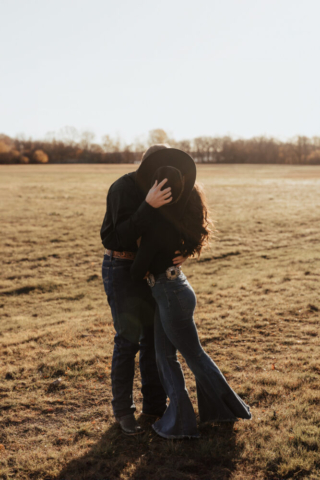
x: 61, y: 136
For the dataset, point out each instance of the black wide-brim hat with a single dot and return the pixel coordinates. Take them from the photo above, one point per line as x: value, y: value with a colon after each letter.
x: 168, y: 157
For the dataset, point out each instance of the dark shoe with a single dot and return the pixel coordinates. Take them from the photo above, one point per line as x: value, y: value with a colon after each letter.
x: 150, y: 415
x: 147, y: 419
x: 129, y: 425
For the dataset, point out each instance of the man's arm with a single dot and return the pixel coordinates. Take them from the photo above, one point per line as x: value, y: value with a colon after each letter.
x: 129, y: 224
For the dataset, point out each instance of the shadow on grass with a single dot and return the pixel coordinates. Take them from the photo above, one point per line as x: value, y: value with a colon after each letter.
x: 149, y: 457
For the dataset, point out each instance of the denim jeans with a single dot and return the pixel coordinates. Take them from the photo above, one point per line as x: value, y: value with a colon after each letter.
x: 175, y: 330
x: 132, y: 309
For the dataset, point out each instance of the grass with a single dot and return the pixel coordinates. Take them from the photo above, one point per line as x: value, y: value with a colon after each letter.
x: 257, y: 315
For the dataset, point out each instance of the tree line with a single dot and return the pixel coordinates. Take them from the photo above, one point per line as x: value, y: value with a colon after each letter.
x: 70, y: 146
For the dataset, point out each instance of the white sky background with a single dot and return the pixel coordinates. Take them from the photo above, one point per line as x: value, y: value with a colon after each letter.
x: 204, y: 67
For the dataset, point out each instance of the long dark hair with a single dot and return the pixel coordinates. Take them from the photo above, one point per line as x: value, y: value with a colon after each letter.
x: 194, y: 225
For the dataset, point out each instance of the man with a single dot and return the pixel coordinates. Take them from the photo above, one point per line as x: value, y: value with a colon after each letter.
x: 128, y: 217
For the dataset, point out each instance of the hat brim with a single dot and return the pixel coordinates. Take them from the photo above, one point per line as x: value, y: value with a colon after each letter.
x: 171, y: 157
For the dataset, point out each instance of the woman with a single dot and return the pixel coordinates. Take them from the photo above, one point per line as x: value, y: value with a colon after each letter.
x: 181, y: 225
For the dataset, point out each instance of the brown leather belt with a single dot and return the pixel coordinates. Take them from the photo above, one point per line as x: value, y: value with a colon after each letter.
x: 124, y: 255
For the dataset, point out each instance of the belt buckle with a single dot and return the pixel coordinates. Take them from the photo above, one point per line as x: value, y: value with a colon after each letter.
x: 173, y: 272
x: 151, y: 280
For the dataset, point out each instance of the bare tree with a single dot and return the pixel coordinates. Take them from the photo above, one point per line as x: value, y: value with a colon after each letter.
x: 111, y: 145
x: 86, y: 139
x: 205, y: 148
x: 139, y: 144
x: 184, y: 145
x: 69, y: 135
x: 158, y: 136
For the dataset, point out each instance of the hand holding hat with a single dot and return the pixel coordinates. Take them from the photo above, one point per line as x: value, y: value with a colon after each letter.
x: 169, y: 157
x: 157, y: 197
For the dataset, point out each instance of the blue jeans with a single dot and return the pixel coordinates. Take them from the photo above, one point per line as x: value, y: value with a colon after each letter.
x: 175, y: 330
x: 132, y: 309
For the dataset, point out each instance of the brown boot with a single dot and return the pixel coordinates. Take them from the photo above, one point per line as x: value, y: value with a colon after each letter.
x: 129, y: 425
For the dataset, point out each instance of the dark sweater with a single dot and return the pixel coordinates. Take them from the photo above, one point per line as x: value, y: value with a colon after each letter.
x: 128, y: 215
x: 157, y: 248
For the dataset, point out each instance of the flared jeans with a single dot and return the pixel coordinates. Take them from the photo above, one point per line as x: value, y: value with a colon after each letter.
x: 175, y: 330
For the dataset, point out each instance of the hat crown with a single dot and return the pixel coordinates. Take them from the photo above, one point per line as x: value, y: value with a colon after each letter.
x: 169, y: 157
x: 175, y: 181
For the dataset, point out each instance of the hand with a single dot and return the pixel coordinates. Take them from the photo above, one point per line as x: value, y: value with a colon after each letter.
x: 157, y: 197
x: 178, y: 261
x: 146, y: 276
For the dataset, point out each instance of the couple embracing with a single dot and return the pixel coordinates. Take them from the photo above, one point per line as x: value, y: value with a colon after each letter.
x: 156, y: 218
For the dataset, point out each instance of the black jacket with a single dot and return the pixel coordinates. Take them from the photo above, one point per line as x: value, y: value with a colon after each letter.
x: 128, y: 215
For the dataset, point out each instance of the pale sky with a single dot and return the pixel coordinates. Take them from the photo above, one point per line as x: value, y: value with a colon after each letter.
x: 124, y: 67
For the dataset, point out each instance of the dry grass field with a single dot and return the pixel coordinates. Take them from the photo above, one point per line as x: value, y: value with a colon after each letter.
x: 258, y: 317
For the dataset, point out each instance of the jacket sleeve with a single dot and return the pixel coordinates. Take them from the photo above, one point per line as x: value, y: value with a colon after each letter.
x: 148, y: 248
x: 129, y: 224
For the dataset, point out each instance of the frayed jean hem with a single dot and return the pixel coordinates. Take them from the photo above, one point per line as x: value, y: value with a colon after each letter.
x: 174, y: 437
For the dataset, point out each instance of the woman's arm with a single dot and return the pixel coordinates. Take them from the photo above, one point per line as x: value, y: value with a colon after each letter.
x: 148, y: 248
x: 179, y: 260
